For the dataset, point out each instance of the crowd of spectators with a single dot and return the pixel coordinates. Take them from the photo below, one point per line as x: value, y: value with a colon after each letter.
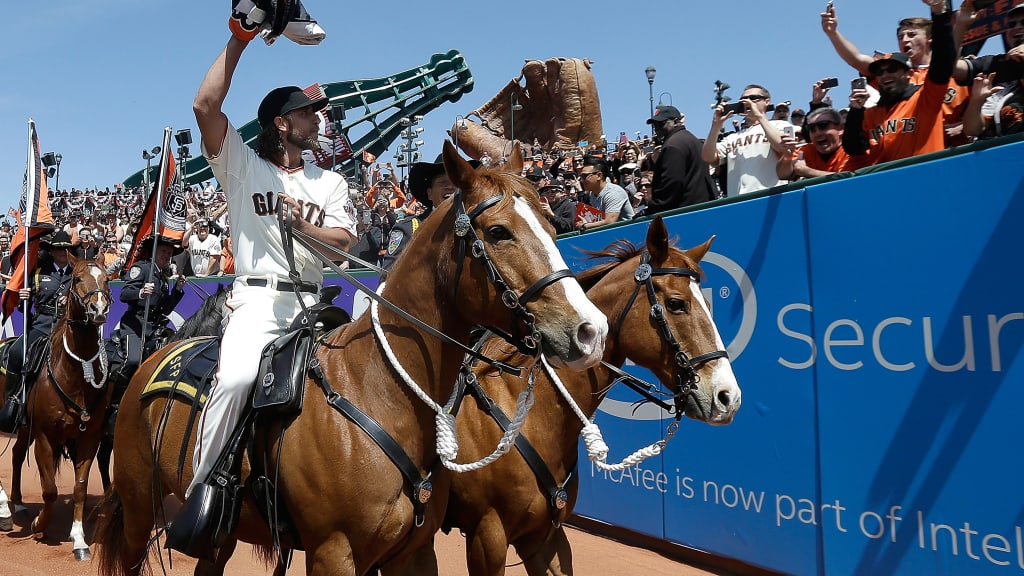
x: 917, y: 99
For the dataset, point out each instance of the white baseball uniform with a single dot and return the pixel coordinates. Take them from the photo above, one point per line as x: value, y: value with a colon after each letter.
x: 258, y: 314
x: 200, y: 252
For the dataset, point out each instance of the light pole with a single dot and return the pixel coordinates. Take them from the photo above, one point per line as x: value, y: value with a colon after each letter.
x: 651, y: 71
x: 52, y: 159
x: 183, y: 137
x: 149, y: 155
x: 515, y: 107
x: 460, y: 125
x: 408, y: 153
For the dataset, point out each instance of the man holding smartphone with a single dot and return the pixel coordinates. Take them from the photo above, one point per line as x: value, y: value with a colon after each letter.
x: 750, y: 155
x: 908, y: 120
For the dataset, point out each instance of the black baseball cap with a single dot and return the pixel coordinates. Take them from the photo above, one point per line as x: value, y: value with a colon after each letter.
x: 899, y: 58
x: 662, y: 113
x: 281, y: 101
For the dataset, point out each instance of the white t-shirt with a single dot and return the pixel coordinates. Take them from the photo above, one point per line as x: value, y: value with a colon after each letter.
x: 750, y: 159
x: 252, y: 184
x: 200, y: 251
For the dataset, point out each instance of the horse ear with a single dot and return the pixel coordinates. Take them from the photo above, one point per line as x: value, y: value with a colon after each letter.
x: 698, y: 252
x: 459, y: 171
x: 515, y: 159
x: 657, y: 239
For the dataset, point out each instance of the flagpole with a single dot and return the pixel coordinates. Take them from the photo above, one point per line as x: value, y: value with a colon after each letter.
x: 30, y: 190
x: 165, y: 159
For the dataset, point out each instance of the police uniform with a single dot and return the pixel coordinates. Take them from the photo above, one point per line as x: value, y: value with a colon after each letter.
x: 49, y: 284
x: 399, y: 237
x: 161, y: 303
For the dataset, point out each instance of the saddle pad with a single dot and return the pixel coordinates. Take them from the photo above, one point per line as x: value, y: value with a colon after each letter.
x: 186, y: 371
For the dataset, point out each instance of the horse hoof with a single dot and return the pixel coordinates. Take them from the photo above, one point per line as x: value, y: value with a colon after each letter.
x: 82, y: 554
x: 7, y: 524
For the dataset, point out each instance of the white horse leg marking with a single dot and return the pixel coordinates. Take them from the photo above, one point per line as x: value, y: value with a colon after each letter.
x: 5, y: 509
x: 78, y: 536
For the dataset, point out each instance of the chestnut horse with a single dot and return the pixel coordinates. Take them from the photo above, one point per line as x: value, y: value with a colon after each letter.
x: 349, y: 504
x: 506, y: 502
x: 67, y: 400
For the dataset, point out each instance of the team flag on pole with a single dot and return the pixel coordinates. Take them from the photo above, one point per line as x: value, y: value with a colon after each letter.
x: 35, y: 221
x: 170, y: 213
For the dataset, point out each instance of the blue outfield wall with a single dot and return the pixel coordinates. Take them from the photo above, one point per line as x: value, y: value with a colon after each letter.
x: 875, y: 325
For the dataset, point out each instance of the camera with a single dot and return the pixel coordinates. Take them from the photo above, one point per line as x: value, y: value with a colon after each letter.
x: 735, y: 107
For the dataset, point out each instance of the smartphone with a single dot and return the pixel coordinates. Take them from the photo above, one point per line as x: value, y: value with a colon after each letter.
x: 859, y: 83
x: 788, y: 131
x: 735, y: 107
x: 543, y: 199
x: 830, y: 82
x: 828, y: 7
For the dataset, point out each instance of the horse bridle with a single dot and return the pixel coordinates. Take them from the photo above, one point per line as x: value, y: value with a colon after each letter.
x: 81, y: 299
x: 689, y: 378
x: 465, y: 235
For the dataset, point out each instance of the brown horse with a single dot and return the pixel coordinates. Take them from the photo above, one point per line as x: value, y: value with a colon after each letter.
x: 506, y: 502
x: 67, y: 400
x: 351, y: 507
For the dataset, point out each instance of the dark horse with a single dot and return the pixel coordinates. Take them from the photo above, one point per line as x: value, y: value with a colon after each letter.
x: 350, y: 506
x: 508, y: 502
x: 67, y: 400
x: 205, y: 322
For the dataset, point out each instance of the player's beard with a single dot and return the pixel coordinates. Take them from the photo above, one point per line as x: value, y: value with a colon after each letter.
x: 302, y: 141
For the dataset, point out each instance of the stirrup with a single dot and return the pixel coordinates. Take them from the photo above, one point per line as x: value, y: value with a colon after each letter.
x: 206, y: 519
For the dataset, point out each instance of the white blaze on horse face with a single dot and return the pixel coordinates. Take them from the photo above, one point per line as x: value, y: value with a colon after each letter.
x: 101, y: 299
x: 593, y: 348
x: 726, y: 395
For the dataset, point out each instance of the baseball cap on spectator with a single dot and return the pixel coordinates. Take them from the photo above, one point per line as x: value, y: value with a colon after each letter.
x: 281, y: 101
x: 662, y: 113
x: 552, y: 184
x: 797, y: 113
x: 1017, y: 8
x: 900, y: 58
x: 627, y: 167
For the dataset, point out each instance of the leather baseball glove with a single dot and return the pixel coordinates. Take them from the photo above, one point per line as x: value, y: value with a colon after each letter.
x: 560, y: 107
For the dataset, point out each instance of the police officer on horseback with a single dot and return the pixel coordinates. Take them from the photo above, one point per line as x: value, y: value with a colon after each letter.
x: 48, y: 286
x: 150, y: 298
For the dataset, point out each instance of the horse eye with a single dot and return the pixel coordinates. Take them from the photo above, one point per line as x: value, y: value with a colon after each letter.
x: 499, y: 233
x: 676, y: 305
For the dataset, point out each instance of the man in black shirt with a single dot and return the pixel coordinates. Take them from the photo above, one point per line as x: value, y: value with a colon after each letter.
x: 681, y: 176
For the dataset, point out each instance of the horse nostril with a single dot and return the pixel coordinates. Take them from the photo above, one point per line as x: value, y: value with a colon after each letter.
x: 586, y: 334
x: 724, y: 398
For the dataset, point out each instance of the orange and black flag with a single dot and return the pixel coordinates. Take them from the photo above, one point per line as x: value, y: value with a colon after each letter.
x: 35, y: 221
x: 167, y: 219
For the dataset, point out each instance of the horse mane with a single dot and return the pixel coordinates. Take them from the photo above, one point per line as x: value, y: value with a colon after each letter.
x: 206, y: 321
x: 616, y: 253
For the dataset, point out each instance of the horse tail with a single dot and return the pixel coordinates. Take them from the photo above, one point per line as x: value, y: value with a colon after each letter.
x: 109, y: 535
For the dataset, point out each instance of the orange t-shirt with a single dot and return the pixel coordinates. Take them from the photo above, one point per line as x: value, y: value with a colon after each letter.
x: 839, y: 161
x: 954, y: 104
x: 910, y: 127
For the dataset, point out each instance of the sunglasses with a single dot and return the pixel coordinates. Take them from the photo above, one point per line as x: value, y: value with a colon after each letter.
x: 824, y: 125
x: 890, y: 69
x: 587, y: 174
x: 754, y: 97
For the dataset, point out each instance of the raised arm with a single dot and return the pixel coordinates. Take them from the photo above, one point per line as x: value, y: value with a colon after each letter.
x: 212, y: 92
x: 844, y: 48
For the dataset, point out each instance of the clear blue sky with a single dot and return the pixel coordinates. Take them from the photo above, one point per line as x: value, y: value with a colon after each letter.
x: 102, y: 79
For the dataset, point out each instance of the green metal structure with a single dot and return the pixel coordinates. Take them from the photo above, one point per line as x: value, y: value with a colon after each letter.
x: 374, y: 110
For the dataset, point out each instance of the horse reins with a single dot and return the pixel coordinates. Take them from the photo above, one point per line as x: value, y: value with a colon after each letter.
x: 689, y: 378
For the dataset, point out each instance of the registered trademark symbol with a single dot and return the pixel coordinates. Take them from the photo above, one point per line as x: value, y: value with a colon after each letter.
x: 724, y: 292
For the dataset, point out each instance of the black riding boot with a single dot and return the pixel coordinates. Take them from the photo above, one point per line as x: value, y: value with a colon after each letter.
x: 13, y: 408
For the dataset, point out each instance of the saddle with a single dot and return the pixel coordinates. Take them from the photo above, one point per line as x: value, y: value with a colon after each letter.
x: 211, y: 515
